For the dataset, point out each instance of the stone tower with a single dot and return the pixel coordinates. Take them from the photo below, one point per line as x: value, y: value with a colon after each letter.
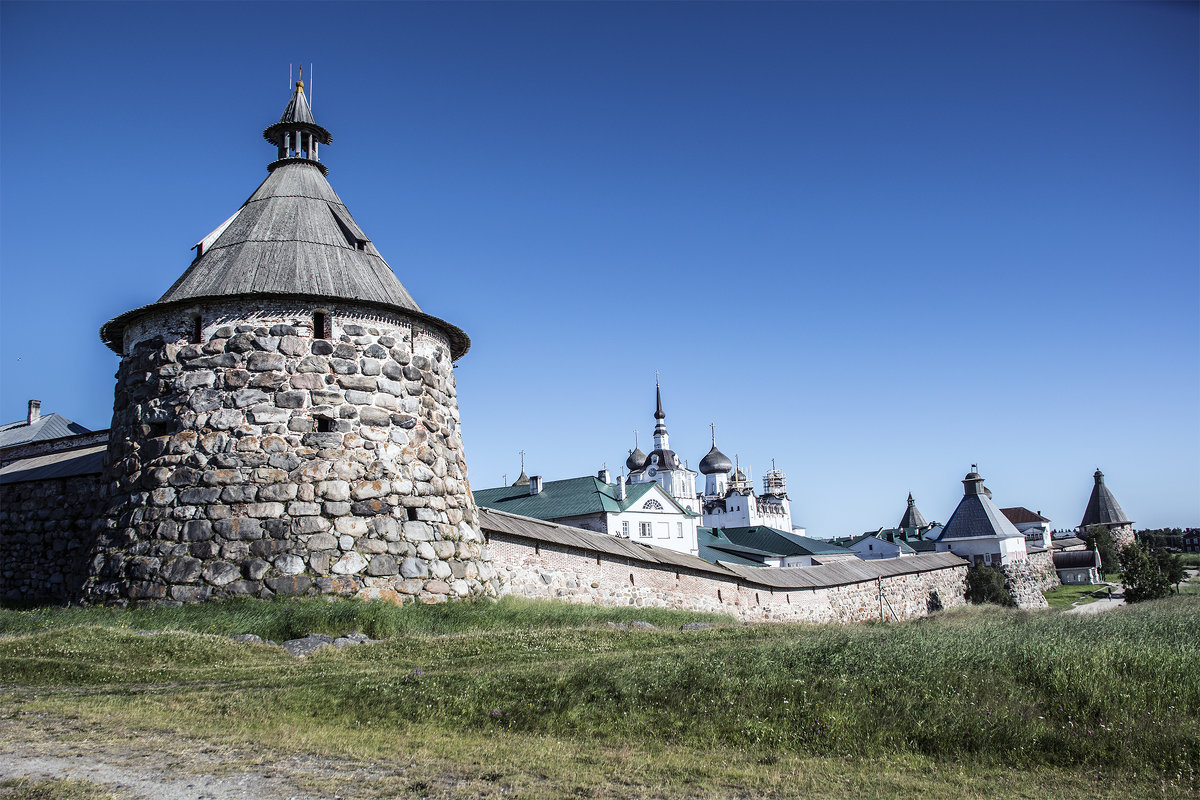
x: 285, y: 418
x: 1103, y: 509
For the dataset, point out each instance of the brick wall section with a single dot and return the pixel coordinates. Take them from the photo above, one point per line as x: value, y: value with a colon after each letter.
x: 46, y: 536
x: 540, y: 570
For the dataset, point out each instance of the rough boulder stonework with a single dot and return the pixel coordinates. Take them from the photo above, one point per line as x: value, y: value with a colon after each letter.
x: 221, y: 482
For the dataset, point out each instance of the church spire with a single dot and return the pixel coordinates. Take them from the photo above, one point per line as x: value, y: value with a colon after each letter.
x: 297, y: 134
x: 660, y: 426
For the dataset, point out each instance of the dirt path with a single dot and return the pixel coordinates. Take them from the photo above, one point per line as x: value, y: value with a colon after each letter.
x: 134, y: 772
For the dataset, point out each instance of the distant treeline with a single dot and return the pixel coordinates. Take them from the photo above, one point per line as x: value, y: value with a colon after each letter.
x: 1163, y: 537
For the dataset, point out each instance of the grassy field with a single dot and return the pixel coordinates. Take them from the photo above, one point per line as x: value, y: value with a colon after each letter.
x: 518, y: 699
x: 1066, y: 596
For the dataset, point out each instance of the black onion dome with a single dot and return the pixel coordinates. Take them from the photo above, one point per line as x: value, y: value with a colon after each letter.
x: 636, y: 460
x: 663, y: 459
x: 715, y: 462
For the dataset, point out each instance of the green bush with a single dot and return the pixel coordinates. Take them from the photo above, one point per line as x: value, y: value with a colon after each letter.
x: 1143, y: 575
x: 986, y: 585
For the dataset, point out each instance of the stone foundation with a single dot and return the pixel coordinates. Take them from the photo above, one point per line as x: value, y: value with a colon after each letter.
x: 263, y: 460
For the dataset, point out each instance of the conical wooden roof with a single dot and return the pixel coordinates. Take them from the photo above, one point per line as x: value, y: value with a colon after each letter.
x: 293, y: 238
x: 912, y: 517
x: 1102, y: 507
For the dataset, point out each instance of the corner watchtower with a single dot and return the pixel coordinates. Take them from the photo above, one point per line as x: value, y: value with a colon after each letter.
x: 285, y: 419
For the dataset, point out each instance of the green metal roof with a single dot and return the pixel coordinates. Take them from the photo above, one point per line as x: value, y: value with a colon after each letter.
x: 571, y: 497
x: 714, y: 546
x: 782, y: 543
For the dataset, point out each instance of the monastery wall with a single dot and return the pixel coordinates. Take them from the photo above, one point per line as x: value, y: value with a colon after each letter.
x: 549, y: 571
x: 46, y: 537
x: 1024, y: 579
x: 265, y: 460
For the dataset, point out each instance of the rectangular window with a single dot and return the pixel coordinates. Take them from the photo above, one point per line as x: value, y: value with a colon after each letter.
x: 664, y: 530
x: 644, y: 530
x: 679, y: 530
x: 324, y: 425
x: 625, y: 529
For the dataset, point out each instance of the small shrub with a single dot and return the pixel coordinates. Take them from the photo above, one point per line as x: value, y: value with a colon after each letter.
x: 986, y: 585
x: 1142, y: 575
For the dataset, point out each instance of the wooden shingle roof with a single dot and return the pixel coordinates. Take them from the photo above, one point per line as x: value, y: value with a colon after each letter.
x: 293, y: 238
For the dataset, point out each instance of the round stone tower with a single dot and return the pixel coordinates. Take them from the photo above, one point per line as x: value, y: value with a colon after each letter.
x: 285, y: 419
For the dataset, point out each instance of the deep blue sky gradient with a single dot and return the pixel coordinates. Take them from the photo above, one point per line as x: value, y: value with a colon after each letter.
x: 876, y: 242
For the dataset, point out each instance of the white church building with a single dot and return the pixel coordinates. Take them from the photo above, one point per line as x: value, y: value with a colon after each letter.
x: 728, y: 499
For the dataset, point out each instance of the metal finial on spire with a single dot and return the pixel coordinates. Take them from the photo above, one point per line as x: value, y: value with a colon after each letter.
x: 300, y: 82
x: 713, y: 427
x: 974, y: 468
x: 635, y: 441
x: 522, y: 461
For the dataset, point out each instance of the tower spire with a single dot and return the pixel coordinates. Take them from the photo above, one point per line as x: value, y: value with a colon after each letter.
x: 297, y: 135
x: 660, y: 426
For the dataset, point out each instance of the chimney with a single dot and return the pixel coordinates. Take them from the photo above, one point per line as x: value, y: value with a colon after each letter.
x: 604, y: 476
x: 35, y: 411
x: 621, y: 490
x: 535, y: 484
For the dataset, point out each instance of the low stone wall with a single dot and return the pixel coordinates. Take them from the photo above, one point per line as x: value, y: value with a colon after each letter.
x: 46, y: 536
x: 1023, y: 580
x: 540, y: 570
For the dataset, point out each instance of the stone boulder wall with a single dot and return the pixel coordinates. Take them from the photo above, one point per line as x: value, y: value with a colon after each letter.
x: 46, y: 537
x: 263, y: 461
x: 1023, y: 580
x: 1042, y: 567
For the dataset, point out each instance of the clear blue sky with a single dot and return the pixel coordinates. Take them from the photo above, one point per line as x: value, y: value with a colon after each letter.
x: 876, y: 242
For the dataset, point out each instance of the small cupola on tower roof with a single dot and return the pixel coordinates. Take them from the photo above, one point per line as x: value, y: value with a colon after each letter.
x: 297, y: 134
x: 912, y: 517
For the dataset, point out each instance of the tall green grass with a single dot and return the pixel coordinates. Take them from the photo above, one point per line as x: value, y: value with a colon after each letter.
x: 1116, y: 692
x: 283, y: 619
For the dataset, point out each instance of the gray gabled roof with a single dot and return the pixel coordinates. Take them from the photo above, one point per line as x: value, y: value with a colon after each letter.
x: 85, y: 461
x: 47, y: 426
x: 293, y: 238
x: 1102, y: 507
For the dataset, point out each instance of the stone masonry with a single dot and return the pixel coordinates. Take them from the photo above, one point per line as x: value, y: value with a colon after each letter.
x: 542, y: 570
x: 264, y: 460
x: 45, y: 537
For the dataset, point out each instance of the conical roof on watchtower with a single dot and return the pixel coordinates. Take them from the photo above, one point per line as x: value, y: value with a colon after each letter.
x: 293, y: 238
x: 1102, y: 507
x: 912, y: 517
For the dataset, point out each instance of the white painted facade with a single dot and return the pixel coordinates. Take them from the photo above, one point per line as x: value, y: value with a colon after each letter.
x: 657, y: 519
x: 990, y: 551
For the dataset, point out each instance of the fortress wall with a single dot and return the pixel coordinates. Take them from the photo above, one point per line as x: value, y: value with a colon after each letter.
x: 221, y: 482
x: 46, y: 537
x: 541, y: 570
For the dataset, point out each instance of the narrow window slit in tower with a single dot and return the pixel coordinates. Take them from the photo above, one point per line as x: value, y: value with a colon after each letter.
x: 197, y: 333
x: 322, y: 325
x: 412, y: 515
x: 324, y: 425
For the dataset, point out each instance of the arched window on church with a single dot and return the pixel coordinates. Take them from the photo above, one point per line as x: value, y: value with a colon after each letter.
x: 652, y: 505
